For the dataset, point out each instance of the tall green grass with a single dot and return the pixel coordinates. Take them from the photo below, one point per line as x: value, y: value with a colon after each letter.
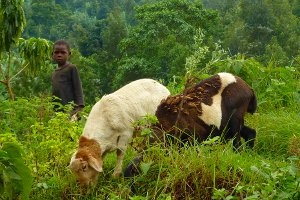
x: 275, y: 129
x: 206, y: 172
x: 201, y: 171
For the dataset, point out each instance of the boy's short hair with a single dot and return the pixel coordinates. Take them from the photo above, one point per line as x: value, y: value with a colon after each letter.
x: 62, y: 42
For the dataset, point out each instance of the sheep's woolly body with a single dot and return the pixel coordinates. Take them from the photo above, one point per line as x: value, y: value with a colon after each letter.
x: 110, y: 119
x: 109, y: 125
x: 212, y: 114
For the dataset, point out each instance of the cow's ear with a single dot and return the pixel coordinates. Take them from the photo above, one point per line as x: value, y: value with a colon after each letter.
x: 95, y: 163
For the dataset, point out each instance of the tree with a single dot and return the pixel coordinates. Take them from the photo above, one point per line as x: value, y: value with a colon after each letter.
x: 163, y: 37
x: 274, y: 53
x: 48, y: 20
x: 114, y: 32
x: 258, y: 21
x: 285, y: 26
x: 34, y: 51
x: 85, y: 33
x: 250, y: 26
x: 221, y: 5
x: 12, y: 21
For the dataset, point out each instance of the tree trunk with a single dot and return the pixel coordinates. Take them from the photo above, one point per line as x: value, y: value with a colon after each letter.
x: 10, y: 91
x: 6, y: 77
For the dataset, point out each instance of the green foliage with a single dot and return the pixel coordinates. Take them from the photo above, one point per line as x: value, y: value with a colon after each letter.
x: 144, y: 124
x: 163, y: 37
x: 45, y: 137
x: 15, y: 176
x: 95, y: 82
x: 215, y: 171
x: 36, y: 53
x: 142, y: 132
x: 26, y: 85
x: 251, y: 25
x: 48, y: 20
x: 12, y: 21
x: 275, y: 140
x: 48, y: 142
x: 114, y: 32
x: 20, y: 74
x: 134, y: 68
x: 275, y: 53
x: 161, y: 34
x: 82, y: 23
x: 272, y: 176
x: 30, y: 65
x: 85, y: 26
x: 13, y: 114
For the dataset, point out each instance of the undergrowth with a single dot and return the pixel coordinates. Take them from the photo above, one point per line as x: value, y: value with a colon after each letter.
x: 209, y: 170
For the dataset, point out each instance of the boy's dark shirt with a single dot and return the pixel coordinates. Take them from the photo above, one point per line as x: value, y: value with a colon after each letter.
x: 66, y: 85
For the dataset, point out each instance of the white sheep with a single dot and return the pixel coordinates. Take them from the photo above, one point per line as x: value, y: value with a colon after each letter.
x: 109, y: 127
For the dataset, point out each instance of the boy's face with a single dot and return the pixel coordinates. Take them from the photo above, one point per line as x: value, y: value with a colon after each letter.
x: 60, y: 54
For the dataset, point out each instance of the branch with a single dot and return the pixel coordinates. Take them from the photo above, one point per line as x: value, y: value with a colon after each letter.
x: 296, y: 60
x: 8, y: 64
x: 2, y: 71
x: 19, y: 72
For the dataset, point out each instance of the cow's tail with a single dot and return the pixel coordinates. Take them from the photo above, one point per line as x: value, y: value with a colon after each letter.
x: 252, y: 104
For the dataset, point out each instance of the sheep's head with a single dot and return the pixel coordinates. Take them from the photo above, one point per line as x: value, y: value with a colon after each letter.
x: 87, y: 171
x: 87, y: 162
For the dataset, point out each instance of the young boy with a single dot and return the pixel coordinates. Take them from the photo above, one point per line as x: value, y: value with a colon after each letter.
x: 66, y: 83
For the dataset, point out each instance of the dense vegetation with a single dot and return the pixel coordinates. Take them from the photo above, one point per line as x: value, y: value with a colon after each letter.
x: 173, y: 41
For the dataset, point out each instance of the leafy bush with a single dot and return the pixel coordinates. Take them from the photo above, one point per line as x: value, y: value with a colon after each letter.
x: 18, y: 116
x: 15, y: 176
x: 44, y: 135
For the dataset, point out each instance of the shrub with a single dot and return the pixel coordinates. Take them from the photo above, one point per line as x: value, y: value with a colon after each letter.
x: 15, y: 176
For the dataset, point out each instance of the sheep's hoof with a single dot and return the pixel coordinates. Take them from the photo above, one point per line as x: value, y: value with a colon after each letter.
x: 116, y: 174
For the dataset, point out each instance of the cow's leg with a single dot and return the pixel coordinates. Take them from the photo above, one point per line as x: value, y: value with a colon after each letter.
x: 234, y: 127
x: 237, y: 141
x: 134, y: 167
x: 249, y: 135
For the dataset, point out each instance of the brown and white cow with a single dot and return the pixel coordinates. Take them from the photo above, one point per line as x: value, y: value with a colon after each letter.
x: 214, y: 107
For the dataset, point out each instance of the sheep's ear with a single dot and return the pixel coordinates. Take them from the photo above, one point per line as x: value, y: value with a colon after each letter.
x: 96, y: 164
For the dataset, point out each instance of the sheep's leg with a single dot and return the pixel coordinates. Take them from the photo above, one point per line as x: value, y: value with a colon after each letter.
x: 118, y: 168
x: 249, y: 135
